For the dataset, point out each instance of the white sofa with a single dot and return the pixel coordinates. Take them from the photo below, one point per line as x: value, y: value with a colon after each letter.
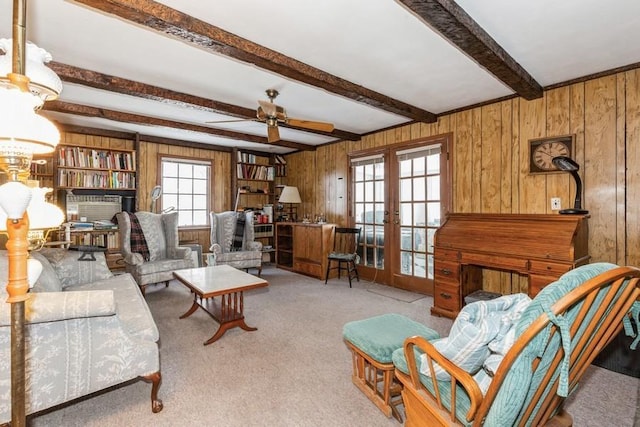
x: 86, y: 330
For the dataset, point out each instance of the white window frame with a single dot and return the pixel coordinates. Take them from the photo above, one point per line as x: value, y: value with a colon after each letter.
x: 173, y: 195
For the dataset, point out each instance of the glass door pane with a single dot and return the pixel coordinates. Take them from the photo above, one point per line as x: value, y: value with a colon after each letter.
x: 418, y: 213
x: 369, y: 209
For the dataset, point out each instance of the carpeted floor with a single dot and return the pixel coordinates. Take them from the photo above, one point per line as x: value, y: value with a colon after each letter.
x: 293, y: 371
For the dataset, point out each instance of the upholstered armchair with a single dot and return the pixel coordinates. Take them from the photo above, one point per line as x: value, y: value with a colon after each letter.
x: 164, y: 255
x: 227, y: 247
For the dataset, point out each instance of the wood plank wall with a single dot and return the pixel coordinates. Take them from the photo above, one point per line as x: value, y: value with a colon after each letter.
x: 490, y: 169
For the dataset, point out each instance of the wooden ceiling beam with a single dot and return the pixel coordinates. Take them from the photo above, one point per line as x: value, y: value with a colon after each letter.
x: 191, y: 30
x: 454, y: 24
x: 72, y: 74
x: 87, y: 111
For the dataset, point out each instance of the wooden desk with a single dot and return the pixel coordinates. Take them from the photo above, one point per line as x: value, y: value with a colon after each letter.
x: 542, y: 247
x: 226, y: 282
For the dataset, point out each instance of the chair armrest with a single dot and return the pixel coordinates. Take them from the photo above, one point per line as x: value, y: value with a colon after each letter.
x: 216, y: 248
x: 133, y: 258
x: 254, y: 246
x: 43, y: 307
x: 183, y: 252
x: 458, y: 376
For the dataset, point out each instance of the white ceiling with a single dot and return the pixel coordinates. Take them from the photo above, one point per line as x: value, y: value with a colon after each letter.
x: 378, y: 44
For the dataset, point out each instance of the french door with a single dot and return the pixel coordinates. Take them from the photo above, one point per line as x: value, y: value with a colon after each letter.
x: 399, y: 197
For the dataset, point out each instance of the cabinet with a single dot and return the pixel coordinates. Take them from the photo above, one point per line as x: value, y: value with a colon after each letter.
x: 541, y: 247
x: 304, y: 248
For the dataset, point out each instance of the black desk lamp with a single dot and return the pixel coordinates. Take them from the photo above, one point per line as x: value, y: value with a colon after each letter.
x: 568, y: 164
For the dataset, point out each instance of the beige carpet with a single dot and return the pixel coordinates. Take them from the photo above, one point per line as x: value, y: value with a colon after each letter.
x: 293, y: 371
x: 397, y: 294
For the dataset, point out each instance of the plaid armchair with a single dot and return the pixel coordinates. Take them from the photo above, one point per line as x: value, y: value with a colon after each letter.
x: 236, y: 249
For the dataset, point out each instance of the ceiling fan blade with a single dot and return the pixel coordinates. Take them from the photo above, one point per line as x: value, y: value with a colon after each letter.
x: 310, y: 124
x: 273, y: 135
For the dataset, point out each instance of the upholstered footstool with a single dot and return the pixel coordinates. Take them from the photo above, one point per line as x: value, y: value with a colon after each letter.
x: 372, y: 342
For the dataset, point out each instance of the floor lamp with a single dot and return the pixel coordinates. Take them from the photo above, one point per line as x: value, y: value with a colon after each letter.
x: 23, y: 133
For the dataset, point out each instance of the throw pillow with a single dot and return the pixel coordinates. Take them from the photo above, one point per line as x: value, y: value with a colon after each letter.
x: 72, y: 272
x: 476, y: 326
x: 48, y: 280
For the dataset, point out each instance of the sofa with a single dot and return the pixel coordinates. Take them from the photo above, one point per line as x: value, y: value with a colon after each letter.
x: 223, y: 230
x: 85, y: 330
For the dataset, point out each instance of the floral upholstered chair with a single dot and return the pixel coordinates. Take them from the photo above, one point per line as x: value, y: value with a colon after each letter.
x: 232, y: 245
x: 162, y: 257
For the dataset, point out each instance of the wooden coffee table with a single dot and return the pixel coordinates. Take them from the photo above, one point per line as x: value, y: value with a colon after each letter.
x: 226, y: 282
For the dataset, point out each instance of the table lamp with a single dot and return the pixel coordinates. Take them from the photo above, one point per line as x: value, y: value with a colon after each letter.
x: 567, y: 164
x: 290, y: 195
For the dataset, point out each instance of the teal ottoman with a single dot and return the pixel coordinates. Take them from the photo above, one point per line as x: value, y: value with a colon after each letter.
x: 372, y: 342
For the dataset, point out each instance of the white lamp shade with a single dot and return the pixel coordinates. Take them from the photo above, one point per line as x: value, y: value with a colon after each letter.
x: 290, y: 195
x: 44, y: 82
x: 21, y: 128
x: 14, y: 199
x: 42, y: 214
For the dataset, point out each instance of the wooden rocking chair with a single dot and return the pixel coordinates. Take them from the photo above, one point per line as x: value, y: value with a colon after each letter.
x: 559, y: 335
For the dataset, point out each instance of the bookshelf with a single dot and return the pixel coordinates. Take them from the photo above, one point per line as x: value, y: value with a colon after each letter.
x: 95, y: 168
x: 42, y: 170
x: 254, y: 180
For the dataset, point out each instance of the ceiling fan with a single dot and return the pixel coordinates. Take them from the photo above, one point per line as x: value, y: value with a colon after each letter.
x: 272, y: 114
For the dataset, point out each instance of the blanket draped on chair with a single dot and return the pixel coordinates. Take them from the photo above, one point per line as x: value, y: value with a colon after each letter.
x: 238, y: 236
x: 137, y: 241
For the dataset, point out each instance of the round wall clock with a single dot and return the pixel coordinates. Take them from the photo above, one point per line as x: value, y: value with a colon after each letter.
x: 542, y: 151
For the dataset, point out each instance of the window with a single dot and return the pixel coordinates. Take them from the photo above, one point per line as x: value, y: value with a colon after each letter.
x: 185, y: 188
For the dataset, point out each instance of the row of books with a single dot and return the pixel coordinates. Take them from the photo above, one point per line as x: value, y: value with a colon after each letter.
x: 96, y: 179
x: 79, y: 157
x: 107, y: 240
x: 259, y: 172
x: 252, y: 158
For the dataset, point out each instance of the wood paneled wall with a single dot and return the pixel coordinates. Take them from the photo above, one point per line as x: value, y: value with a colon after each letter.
x: 490, y: 160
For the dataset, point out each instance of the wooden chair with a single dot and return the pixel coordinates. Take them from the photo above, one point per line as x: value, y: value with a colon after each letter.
x: 345, y: 253
x: 559, y: 335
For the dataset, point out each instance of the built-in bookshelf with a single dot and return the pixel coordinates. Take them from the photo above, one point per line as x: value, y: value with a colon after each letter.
x: 90, y: 168
x: 42, y: 170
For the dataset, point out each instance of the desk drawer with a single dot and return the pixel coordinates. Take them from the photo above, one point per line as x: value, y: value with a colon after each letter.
x: 447, y: 297
x: 446, y: 254
x: 496, y: 261
x: 549, y: 268
x: 446, y: 271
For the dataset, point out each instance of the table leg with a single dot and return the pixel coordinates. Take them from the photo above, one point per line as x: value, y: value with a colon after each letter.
x: 193, y: 308
x: 230, y: 315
